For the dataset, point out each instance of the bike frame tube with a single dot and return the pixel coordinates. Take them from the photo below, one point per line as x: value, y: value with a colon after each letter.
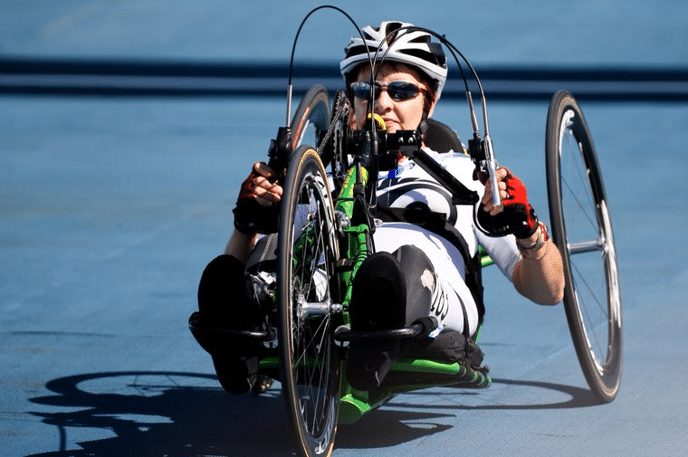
x: 356, y: 237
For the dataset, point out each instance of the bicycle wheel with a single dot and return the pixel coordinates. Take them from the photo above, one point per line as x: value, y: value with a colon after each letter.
x: 312, y: 117
x: 582, y: 229
x: 307, y: 309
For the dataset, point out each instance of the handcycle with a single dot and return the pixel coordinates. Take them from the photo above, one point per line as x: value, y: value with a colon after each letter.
x: 325, y: 233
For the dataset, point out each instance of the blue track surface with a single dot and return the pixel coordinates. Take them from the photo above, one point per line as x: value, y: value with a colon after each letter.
x: 110, y: 207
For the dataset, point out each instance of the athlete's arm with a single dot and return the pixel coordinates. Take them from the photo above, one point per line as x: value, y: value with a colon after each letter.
x: 240, y: 245
x: 540, y: 277
x: 261, y: 188
x: 539, y: 274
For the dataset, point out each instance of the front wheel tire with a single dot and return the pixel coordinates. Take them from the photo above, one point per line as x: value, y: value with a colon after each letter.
x: 307, y: 305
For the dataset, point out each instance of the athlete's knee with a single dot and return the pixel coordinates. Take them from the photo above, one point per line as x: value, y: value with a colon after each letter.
x: 412, y: 258
x: 222, y: 282
x: 420, y: 281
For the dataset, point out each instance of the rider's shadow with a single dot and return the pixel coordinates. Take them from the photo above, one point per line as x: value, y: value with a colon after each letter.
x: 162, y: 414
x: 182, y: 414
x: 178, y: 414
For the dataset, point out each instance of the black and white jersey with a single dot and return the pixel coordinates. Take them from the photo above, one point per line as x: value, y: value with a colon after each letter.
x: 409, y: 186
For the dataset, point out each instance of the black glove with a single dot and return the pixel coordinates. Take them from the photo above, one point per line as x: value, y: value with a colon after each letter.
x: 517, y: 217
x: 250, y: 216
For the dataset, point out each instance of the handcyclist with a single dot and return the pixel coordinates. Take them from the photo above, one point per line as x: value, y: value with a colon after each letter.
x: 427, y: 247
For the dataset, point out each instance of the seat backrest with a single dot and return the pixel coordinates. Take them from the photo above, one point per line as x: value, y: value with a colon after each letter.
x: 441, y: 138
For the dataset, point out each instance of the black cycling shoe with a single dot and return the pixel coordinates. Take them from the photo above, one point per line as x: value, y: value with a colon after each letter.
x: 378, y: 303
x: 223, y: 304
x: 235, y: 357
x: 237, y: 374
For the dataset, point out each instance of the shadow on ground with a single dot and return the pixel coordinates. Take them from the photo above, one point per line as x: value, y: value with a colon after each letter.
x: 178, y: 413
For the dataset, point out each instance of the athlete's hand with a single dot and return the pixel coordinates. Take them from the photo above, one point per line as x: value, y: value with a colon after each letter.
x: 261, y: 186
x: 514, y: 215
x: 256, y: 208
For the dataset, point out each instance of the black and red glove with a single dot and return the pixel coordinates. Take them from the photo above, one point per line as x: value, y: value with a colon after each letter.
x: 517, y: 217
x: 250, y: 216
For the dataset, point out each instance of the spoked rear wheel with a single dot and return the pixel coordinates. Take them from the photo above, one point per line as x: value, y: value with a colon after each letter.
x: 307, y: 309
x: 582, y: 229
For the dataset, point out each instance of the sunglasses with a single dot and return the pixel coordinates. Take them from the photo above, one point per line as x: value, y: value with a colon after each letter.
x: 397, y: 90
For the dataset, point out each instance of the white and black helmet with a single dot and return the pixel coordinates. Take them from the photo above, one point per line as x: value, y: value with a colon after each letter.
x: 411, y: 47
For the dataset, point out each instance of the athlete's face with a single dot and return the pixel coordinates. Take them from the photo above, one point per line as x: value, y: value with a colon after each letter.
x: 397, y: 114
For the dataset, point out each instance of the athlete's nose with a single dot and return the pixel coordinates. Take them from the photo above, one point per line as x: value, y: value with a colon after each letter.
x: 383, y: 102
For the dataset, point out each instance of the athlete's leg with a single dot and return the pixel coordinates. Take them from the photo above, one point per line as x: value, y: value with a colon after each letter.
x: 439, y: 270
x: 378, y: 303
x: 390, y: 291
x: 223, y: 303
x: 430, y: 294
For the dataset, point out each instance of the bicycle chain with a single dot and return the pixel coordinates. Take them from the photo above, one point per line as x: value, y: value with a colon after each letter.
x: 342, y: 108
